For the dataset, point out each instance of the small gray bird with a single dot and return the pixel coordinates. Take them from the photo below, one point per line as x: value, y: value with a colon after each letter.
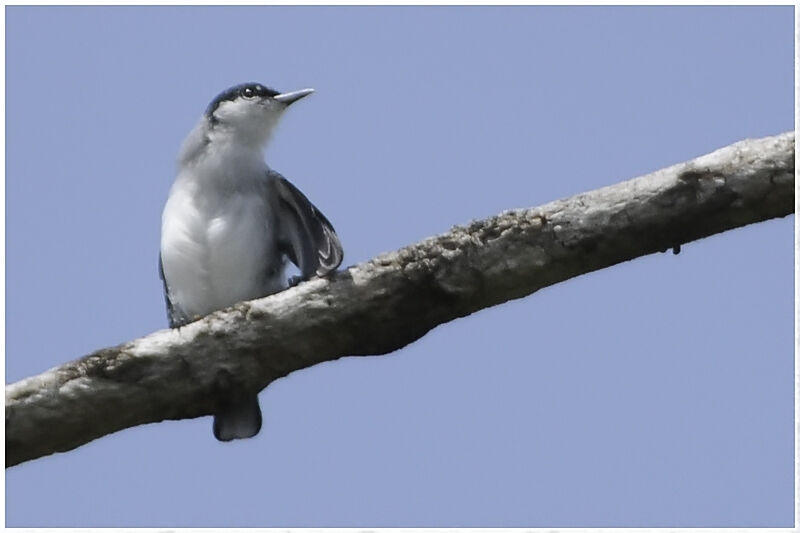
x: 230, y: 223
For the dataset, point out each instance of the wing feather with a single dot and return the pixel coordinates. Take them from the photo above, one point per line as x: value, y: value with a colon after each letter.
x: 308, y: 237
x: 175, y: 317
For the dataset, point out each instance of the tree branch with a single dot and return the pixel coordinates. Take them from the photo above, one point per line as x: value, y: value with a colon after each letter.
x: 386, y: 303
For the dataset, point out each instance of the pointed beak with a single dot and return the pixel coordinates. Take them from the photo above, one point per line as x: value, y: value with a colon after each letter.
x: 288, y: 98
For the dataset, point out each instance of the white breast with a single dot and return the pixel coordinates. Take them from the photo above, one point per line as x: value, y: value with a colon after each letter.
x: 219, y: 244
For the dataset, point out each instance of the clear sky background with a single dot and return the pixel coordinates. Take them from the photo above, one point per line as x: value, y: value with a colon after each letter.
x: 654, y: 393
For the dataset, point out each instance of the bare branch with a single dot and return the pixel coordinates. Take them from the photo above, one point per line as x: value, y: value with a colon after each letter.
x: 386, y: 303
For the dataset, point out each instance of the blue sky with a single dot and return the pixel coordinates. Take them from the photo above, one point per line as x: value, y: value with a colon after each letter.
x: 654, y: 393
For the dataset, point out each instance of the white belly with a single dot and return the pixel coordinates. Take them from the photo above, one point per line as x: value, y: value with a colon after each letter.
x: 215, y: 255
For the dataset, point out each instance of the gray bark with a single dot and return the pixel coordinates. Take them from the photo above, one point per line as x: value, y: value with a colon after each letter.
x: 386, y: 303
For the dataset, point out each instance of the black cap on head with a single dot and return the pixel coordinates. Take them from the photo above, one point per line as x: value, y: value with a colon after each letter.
x: 243, y: 90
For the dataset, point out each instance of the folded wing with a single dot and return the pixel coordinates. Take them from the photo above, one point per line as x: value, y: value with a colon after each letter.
x: 175, y: 316
x: 307, y: 237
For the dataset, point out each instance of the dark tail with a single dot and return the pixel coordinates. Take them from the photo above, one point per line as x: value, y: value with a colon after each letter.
x: 239, y: 420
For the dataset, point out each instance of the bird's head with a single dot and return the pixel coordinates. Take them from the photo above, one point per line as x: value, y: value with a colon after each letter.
x: 250, y: 111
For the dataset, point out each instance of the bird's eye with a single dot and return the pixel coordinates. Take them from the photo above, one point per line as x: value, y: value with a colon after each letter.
x: 248, y: 93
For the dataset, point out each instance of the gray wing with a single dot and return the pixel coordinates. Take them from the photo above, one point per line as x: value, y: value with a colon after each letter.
x: 175, y: 317
x: 307, y: 237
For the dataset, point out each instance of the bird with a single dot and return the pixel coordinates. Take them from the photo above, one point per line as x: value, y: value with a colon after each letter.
x: 231, y: 224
